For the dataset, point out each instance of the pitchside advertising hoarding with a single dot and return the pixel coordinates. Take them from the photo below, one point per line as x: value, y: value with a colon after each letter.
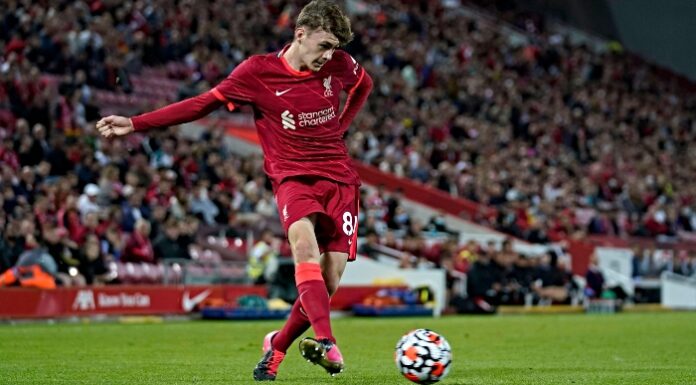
x: 144, y: 299
x: 126, y: 300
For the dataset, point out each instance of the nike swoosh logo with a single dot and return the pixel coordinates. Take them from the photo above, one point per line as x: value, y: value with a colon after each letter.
x: 189, y: 303
x: 278, y: 93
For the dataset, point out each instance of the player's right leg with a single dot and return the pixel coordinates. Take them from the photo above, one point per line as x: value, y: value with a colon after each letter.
x: 299, y: 210
x: 311, y: 288
x: 323, y: 351
x: 314, y: 291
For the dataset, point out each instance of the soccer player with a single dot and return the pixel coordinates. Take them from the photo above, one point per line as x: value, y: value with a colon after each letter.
x: 295, y: 97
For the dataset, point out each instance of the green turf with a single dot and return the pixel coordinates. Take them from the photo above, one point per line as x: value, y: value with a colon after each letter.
x: 541, y: 349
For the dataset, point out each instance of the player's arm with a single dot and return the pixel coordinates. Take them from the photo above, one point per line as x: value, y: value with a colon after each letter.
x: 184, y: 111
x: 237, y: 87
x: 357, y: 96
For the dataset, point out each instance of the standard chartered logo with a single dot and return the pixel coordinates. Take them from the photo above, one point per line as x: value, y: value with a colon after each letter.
x: 307, y: 119
x: 317, y: 117
x: 288, y: 120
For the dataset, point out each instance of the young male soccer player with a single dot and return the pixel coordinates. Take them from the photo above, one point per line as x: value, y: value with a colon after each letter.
x: 295, y: 97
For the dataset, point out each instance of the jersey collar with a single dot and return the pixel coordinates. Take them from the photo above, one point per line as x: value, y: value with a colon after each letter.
x: 288, y: 67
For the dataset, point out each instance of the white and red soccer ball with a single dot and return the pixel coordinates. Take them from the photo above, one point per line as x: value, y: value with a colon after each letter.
x: 423, y: 356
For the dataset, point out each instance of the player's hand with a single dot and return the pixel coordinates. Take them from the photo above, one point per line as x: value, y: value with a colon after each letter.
x: 115, y: 125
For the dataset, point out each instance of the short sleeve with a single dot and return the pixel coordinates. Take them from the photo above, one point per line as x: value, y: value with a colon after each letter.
x: 238, y: 87
x: 351, y: 71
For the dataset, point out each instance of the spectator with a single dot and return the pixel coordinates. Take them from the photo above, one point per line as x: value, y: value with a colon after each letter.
x: 133, y: 208
x: 35, y: 268
x: 401, y: 220
x: 94, y: 266
x: 138, y: 248
x: 483, y: 284
x: 202, y: 204
x: 553, y: 282
x: 438, y: 223
x: 369, y: 247
x: 263, y: 259
x: 505, y: 261
x: 112, y: 244
x: 523, y: 272
x: 637, y: 262
x: 66, y: 254
x: 87, y: 203
x: 168, y: 245
x: 594, y: 278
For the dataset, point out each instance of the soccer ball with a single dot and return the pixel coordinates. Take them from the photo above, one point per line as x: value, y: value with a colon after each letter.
x: 423, y: 356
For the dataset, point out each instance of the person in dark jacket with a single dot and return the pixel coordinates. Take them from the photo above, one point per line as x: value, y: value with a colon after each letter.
x: 168, y: 244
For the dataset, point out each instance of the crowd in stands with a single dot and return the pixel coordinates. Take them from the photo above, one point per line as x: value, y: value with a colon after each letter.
x: 650, y: 263
x: 85, y: 202
x: 559, y: 138
x: 494, y: 274
x: 562, y: 140
x: 88, y: 203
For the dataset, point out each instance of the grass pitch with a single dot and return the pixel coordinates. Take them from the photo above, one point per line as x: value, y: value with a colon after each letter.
x: 532, y: 349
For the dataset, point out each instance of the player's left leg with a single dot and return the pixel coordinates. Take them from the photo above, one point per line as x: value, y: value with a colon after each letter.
x: 312, y: 297
x: 324, y: 351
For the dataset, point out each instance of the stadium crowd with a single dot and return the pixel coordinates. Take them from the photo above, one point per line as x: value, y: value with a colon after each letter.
x: 559, y: 138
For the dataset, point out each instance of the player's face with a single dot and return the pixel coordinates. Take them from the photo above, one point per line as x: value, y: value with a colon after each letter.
x: 316, y: 48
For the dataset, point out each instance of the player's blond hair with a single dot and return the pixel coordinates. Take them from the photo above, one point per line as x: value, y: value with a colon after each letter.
x: 328, y: 16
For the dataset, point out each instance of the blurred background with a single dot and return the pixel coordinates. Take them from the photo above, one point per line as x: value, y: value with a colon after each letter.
x: 515, y: 155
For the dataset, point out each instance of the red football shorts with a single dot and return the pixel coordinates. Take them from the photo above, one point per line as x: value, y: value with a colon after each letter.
x: 336, y: 206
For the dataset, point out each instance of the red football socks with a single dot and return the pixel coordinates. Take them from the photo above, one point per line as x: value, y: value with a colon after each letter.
x: 314, y: 297
x: 296, y: 324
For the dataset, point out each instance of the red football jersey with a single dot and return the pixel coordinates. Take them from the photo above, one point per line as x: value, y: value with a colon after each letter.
x: 296, y: 113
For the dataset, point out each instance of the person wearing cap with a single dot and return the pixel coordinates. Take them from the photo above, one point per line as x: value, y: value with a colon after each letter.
x: 87, y: 203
